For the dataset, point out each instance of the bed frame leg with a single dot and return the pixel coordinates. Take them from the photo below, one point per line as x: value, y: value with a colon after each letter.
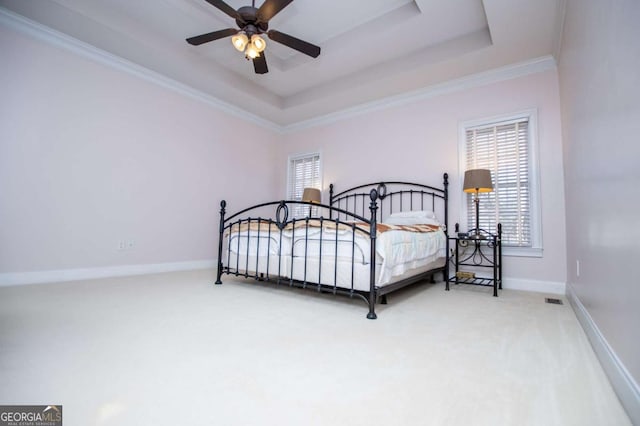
x: 223, y: 205
x: 372, y: 306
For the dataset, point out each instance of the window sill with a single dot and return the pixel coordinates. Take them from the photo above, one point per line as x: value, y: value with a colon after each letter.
x: 522, y: 251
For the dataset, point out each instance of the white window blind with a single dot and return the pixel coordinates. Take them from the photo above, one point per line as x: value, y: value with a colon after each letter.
x: 304, y: 172
x: 504, y: 149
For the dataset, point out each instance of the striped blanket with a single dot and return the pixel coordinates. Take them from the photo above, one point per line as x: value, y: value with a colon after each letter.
x: 267, y: 226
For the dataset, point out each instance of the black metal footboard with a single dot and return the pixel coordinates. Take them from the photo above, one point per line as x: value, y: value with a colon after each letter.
x: 330, y: 250
x: 311, y: 252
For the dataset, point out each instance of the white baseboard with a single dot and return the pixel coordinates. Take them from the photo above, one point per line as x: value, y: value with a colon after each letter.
x: 553, y: 287
x: 39, y: 277
x: 622, y: 382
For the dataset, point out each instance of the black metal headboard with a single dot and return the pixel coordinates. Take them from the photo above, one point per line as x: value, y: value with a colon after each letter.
x: 394, y: 197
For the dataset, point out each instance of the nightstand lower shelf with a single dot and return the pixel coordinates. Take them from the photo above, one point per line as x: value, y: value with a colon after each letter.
x: 486, y: 282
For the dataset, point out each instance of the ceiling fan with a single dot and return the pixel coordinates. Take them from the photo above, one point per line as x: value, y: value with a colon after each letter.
x: 252, y: 23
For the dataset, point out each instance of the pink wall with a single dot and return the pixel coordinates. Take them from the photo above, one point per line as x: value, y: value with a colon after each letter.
x: 600, y: 92
x: 419, y: 141
x: 90, y: 156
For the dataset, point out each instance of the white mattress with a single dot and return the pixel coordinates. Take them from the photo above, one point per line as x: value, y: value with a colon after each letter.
x: 258, y: 265
x: 252, y: 243
x: 399, y: 254
x: 359, y: 272
x: 402, y: 251
x: 258, y: 252
x: 343, y: 244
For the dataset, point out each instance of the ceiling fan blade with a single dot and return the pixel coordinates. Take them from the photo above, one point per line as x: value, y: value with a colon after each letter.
x: 260, y: 64
x: 205, y: 38
x: 224, y: 7
x: 270, y: 8
x: 294, y: 43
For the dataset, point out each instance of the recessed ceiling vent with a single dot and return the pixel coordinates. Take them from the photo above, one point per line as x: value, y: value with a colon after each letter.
x: 553, y: 301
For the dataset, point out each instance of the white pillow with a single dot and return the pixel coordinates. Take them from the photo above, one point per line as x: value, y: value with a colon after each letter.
x: 414, y: 213
x: 414, y: 217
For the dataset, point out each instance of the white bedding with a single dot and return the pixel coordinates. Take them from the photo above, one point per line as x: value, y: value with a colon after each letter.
x: 359, y: 272
x: 258, y: 252
x: 252, y: 243
x: 402, y: 251
x: 399, y: 253
x: 315, y: 241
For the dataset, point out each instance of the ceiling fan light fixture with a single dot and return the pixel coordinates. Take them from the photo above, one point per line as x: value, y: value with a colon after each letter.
x: 240, y: 41
x: 258, y: 43
x: 253, y: 24
x: 251, y: 52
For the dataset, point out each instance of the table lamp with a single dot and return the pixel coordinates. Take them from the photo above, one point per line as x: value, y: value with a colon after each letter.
x: 476, y: 181
x: 311, y: 195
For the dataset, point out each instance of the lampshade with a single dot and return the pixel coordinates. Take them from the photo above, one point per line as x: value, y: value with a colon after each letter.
x: 251, y: 51
x: 311, y: 194
x: 258, y: 42
x: 477, y: 180
x: 240, y: 41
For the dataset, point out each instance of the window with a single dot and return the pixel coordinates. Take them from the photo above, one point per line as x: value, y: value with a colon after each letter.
x: 304, y: 172
x: 506, y: 146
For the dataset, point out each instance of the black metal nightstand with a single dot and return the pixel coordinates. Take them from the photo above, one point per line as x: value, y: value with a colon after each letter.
x: 472, y: 252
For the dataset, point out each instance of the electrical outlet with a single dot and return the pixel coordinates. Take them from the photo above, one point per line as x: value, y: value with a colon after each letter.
x: 125, y: 245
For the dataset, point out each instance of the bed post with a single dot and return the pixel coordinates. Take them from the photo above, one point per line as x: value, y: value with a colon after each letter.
x: 373, y: 207
x: 331, y: 201
x: 445, y: 181
x: 223, y: 204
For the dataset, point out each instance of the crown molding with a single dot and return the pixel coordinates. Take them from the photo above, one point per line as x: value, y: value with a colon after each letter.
x: 61, y: 40
x: 56, y: 38
x: 508, y: 72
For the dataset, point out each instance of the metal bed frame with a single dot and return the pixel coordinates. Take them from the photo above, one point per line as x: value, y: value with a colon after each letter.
x: 364, y: 204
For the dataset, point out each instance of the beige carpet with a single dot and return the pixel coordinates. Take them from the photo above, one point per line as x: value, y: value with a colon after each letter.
x: 173, y: 349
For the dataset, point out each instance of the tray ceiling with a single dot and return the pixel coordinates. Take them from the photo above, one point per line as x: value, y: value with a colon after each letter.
x: 371, y: 49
